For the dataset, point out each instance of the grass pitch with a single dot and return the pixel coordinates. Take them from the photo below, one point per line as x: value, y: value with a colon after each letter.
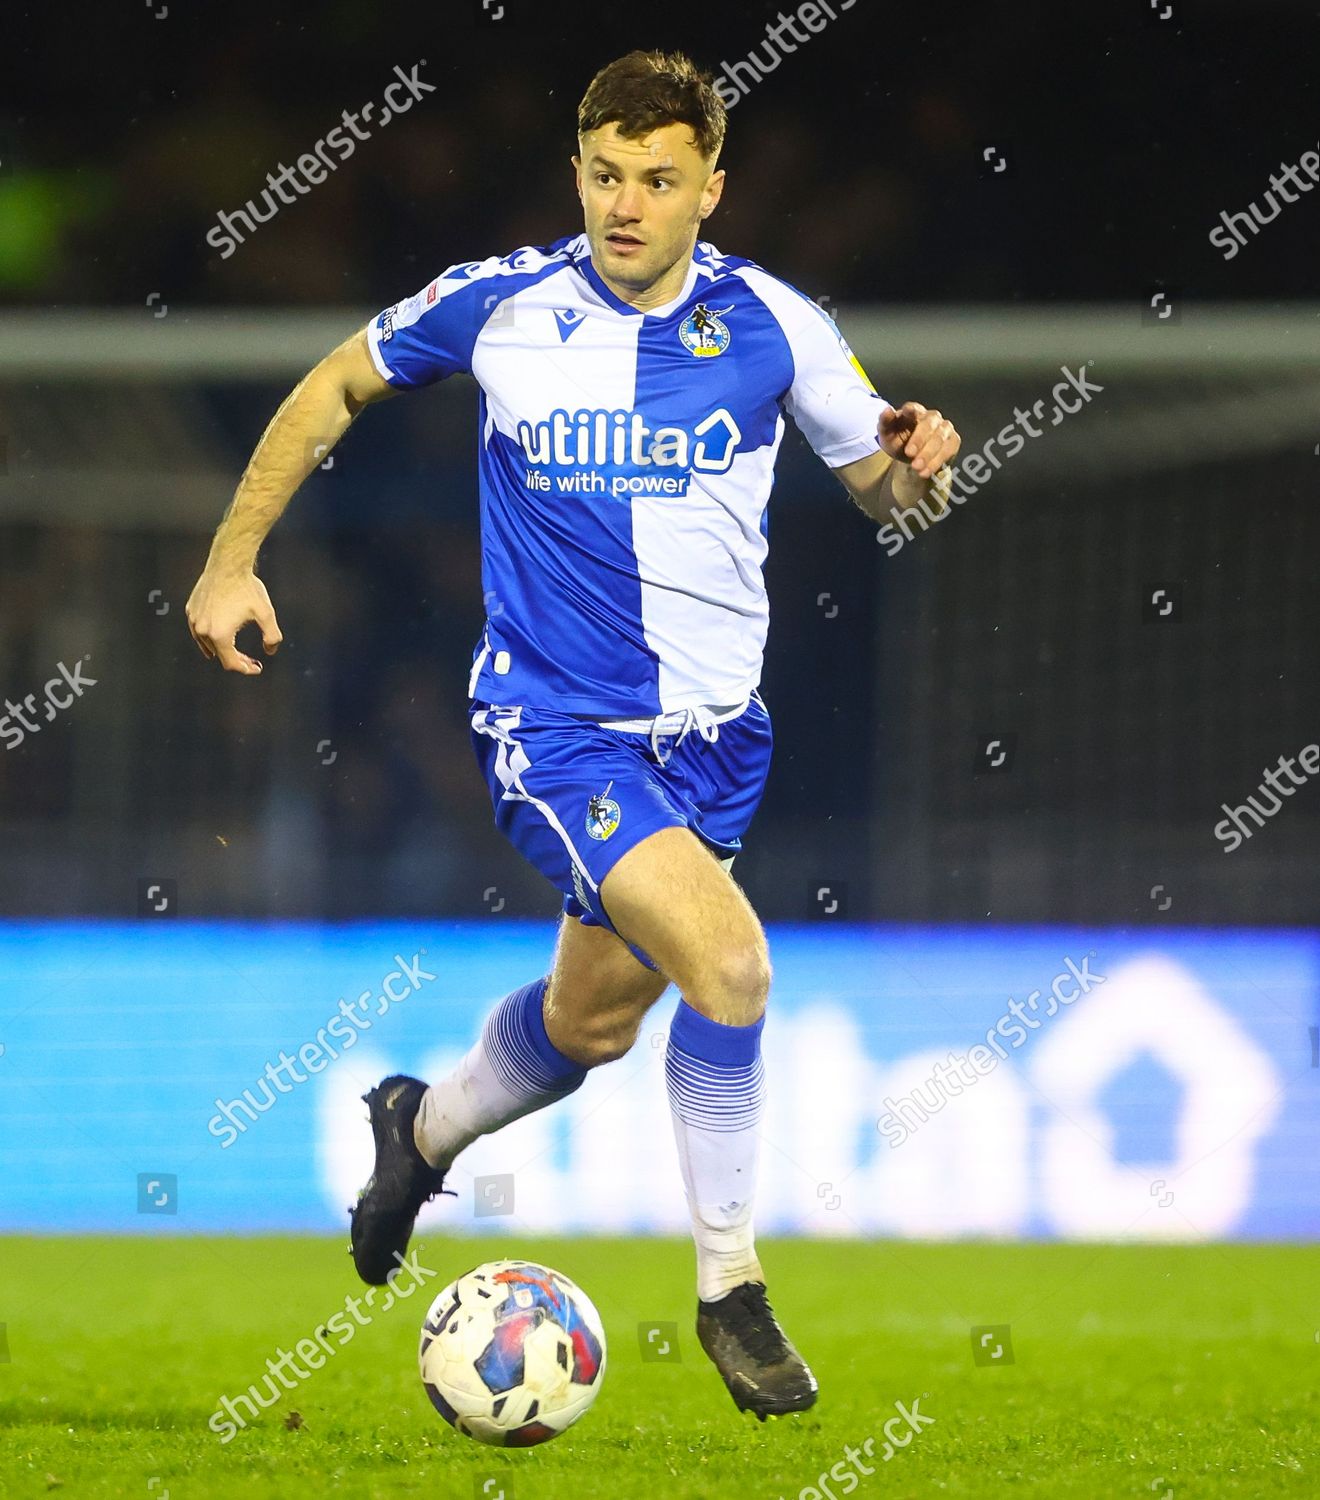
x: 1138, y: 1371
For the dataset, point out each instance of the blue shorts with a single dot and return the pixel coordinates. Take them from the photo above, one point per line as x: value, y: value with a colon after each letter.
x: 573, y: 796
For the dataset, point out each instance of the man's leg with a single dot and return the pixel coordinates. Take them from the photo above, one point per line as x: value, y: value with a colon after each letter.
x: 535, y: 1049
x: 539, y: 1042
x: 673, y: 901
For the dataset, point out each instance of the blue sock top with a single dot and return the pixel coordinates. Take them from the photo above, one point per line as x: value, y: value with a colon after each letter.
x: 520, y: 1048
x: 712, y: 1041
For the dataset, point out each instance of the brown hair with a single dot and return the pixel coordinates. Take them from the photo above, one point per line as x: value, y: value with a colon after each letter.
x: 644, y: 90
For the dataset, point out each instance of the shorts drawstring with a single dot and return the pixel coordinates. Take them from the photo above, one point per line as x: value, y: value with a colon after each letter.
x: 693, y: 718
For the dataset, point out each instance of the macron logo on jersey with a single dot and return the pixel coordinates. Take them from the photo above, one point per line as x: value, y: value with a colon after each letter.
x: 568, y: 322
x: 596, y: 440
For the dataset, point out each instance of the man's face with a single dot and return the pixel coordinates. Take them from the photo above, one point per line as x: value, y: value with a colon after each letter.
x: 644, y: 200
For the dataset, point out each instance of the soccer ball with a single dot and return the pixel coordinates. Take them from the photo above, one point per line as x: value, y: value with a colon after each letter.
x: 512, y: 1353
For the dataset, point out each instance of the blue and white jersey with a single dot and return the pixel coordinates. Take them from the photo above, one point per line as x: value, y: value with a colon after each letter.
x: 626, y: 461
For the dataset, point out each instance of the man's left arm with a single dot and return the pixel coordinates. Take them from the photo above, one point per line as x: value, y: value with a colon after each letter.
x: 916, y: 444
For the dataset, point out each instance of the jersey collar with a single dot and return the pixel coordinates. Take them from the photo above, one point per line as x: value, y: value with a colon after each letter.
x: 593, y: 279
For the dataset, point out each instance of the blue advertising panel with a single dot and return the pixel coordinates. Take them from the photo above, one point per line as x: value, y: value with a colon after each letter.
x: 933, y: 1082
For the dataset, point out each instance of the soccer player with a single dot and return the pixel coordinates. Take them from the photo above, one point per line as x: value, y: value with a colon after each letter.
x: 633, y: 385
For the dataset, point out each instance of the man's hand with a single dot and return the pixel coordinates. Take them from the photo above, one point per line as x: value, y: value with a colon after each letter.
x: 918, y: 437
x: 220, y: 606
x: 909, y: 466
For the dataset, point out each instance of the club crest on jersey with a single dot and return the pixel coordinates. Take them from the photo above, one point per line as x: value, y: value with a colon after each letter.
x: 704, y: 333
x: 603, y: 814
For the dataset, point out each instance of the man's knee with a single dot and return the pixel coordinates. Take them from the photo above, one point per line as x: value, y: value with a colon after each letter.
x: 736, y: 982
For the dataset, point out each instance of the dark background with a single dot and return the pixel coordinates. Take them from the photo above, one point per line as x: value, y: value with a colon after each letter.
x: 342, y: 783
x: 853, y: 168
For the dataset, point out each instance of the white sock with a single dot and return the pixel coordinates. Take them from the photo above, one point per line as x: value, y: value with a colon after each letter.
x: 716, y: 1090
x: 512, y: 1071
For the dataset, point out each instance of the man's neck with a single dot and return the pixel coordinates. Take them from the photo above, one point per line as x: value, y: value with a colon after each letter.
x: 661, y: 291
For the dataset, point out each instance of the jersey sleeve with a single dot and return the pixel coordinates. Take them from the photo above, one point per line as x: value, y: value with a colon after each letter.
x: 431, y: 335
x: 831, y: 397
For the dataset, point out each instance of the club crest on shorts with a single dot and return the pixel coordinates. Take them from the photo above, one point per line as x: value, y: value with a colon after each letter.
x: 704, y: 333
x: 603, y: 814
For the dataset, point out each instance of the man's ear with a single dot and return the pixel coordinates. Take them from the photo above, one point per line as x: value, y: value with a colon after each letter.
x: 714, y: 191
x: 577, y: 174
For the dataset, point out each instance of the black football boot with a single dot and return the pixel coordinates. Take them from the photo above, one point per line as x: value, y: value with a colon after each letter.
x: 387, y: 1208
x: 763, y: 1371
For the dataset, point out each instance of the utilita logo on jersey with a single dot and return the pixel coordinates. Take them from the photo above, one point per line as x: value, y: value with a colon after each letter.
x: 578, y: 445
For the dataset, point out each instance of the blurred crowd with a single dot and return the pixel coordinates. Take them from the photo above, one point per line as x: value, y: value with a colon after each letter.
x: 449, y: 181
x: 953, y: 168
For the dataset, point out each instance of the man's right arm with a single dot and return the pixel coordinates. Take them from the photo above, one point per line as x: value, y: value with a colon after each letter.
x: 312, y: 419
